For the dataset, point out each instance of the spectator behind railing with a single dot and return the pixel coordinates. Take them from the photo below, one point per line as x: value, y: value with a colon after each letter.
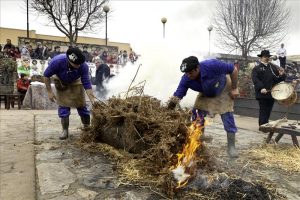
x: 38, y: 52
x: 104, y: 56
x: 25, y: 51
x: 120, y: 58
x: 23, y: 84
x: 8, y: 45
x: 87, y: 55
x: 55, y: 52
x: 125, y: 57
x: 17, y: 53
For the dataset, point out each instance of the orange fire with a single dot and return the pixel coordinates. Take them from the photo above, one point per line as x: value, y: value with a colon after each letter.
x: 184, y: 167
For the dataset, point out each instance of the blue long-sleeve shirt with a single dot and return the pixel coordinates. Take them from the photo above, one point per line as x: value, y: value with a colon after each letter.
x: 60, y: 67
x: 211, y: 82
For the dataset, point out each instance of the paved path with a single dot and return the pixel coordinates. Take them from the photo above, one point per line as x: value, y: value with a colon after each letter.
x: 17, y: 163
x: 36, y: 165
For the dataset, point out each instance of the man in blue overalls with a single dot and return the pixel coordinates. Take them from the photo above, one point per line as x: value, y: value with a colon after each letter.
x: 216, y: 83
x: 71, y: 79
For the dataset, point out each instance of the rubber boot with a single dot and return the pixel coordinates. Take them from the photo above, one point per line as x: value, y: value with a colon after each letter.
x: 86, y: 121
x: 231, y: 145
x: 65, y: 126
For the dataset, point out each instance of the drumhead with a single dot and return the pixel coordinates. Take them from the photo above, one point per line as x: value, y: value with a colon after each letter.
x: 289, y: 101
x: 282, y: 91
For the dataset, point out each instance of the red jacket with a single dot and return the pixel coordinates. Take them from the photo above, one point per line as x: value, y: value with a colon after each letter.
x: 22, y: 85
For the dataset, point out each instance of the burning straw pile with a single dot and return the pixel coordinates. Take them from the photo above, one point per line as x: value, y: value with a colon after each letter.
x: 161, y: 150
x: 153, y: 142
x: 141, y: 126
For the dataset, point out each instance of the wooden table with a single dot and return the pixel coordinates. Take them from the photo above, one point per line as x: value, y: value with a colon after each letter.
x: 289, y: 127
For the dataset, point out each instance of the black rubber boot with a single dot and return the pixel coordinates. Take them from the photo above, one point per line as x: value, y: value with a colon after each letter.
x: 231, y: 145
x: 86, y: 121
x: 65, y: 126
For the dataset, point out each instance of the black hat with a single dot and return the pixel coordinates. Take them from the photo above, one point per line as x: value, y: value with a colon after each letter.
x: 188, y: 64
x: 264, y: 53
x: 75, y: 56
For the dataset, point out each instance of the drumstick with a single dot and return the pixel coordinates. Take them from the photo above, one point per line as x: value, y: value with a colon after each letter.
x: 272, y: 90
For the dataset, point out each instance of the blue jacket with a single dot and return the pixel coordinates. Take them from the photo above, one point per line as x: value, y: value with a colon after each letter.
x: 211, y: 82
x: 60, y: 67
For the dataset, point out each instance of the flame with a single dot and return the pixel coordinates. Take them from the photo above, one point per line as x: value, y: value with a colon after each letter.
x: 185, y: 163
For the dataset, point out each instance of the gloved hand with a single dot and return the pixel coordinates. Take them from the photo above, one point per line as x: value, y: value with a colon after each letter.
x: 91, y: 95
x: 51, y: 96
x: 264, y: 91
x: 237, y: 66
x: 173, y: 101
x: 171, y: 105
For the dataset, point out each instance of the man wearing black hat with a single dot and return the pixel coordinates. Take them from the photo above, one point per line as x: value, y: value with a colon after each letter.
x: 71, y: 78
x: 264, y: 76
x: 216, y: 83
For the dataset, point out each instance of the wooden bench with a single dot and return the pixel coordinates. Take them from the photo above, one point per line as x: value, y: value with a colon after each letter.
x: 3, y: 98
x: 11, y: 99
x: 289, y: 127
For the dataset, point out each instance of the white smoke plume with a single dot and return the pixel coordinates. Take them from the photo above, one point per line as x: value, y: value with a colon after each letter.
x: 160, y: 63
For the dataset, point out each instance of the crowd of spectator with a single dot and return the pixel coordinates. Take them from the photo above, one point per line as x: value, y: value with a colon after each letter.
x: 43, y: 52
x: 106, y: 62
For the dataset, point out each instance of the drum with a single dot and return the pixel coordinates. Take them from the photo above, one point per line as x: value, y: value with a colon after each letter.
x: 284, y: 93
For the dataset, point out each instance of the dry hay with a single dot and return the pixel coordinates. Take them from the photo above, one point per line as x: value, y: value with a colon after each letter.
x: 145, y: 159
x: 281, y: 156
x: 149, y: 131
x: 140, y: 125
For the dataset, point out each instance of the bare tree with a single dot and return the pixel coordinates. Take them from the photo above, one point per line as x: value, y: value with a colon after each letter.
x: 251, y: 25
x: 71, y: 16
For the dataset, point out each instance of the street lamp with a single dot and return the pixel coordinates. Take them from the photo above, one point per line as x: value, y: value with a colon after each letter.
x: 106, y: 10
x: 27, y: 12
x: 209, y: 28
x: 164, y: 20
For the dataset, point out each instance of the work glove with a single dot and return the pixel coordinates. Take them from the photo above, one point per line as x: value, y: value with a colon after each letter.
x: 91, y: 95
x: 173, y: 101
x: 237, y: 66
x: 51, y: 96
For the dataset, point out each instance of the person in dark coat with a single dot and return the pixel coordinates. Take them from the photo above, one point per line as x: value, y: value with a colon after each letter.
x: 86, y: 54
x: 55, y: 52
x: 264, y: 76
x: 102, y: 75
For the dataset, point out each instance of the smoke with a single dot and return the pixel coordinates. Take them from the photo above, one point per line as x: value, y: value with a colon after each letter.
x: 159, y: 67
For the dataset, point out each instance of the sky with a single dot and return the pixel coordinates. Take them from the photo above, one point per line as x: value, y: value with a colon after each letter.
x: 139, y: 23
x: 136, y: 22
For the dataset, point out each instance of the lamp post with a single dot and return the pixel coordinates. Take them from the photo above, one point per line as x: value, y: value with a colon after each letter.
x: 164, y: 20
x: 27, y: 5
x: 106, y: 10
x: 209, y: 28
